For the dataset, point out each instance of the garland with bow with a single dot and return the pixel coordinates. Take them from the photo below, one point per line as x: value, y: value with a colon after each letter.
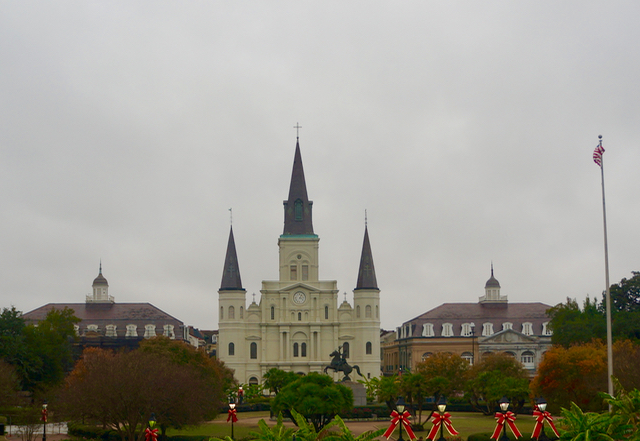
x: 540, y: 417
x: 508, y: 418
x: 397, y: 418
x: 232, y: 416
x: 44, y: 415
x: 150, y: 434
x: 439, y: 420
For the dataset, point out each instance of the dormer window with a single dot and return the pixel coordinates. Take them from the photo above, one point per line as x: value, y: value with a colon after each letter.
x: 149, y: 331
x: 487, y: 329
x: 507, y: 325
x: 168, y: 331
x: 297, y: 207
x: 110, y: 331
x: 131, y: 331
x: 447, y: 330
x: 527, y: 328
x: 427, y: 330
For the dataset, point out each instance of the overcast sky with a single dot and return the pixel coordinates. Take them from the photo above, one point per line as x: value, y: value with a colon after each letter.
x: 465, y: 129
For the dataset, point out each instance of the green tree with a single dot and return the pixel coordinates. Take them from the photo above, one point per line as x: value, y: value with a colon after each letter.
x: 316, y: 397
x: 414, y: 388
x: 571, y: 324
x: 9, y: 385
x: 346, y: 435
x: 41, y: 354
x: 495, y: 376
x: 625, y: 295
x: 389, y: 390
x: 275, y: 379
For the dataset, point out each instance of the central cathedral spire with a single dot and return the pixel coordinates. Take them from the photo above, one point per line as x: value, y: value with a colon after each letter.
x: 297, y: 209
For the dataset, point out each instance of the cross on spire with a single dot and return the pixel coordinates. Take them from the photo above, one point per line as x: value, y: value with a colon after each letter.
x: 297, y: 127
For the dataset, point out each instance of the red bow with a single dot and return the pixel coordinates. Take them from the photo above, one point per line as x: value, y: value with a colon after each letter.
x: 44, y: 415
x: 150, y: 435
x: 395, y: 419
x: 232, y: 416
x: 540, y: 417
x: 438, y: 420
x: 509, y: 418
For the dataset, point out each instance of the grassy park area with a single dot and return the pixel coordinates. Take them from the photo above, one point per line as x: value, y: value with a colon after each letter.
x: 465, y: 423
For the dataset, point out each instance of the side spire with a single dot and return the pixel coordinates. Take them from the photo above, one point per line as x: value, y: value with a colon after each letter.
x: 231, y: 272
x: 297, y: 208
x: 367, y: 272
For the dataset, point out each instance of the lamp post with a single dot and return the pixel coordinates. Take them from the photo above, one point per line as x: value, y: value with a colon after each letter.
x: 152, y: 420
x: 232, y: 407
x: 44, y: 421
x: 400, y: 405
x: 151, y: 433
x: 542, y: 405
x: 442, y: 406
x: 473, y: 345
x: 504, y: 406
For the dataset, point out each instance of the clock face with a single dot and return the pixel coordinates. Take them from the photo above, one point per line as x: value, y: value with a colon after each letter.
x: 299, y: 297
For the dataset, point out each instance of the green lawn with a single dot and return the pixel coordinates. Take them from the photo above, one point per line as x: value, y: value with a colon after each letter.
x: 464, y: 422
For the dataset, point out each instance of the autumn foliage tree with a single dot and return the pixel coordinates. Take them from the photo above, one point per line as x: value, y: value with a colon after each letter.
x: 121, y: 390
x: 579, y: 373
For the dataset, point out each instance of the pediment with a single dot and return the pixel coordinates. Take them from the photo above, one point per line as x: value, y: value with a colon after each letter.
x: 298, y: 286
x: 508, y: 336
x: 346, y: 337
x: 253, y: 337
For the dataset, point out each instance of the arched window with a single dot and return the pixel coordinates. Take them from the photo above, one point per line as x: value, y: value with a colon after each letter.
x: 468, y: 356
x: 303, y: 349
x: 426, y: 355
x: 326, y: 312
x: 295, y: 349
x: 358, y: 311
x: 367, y: 311
x: 528, y: 359
x: 232, y: 349
x: 299, y: 316
x: 253, y: 380
x: 221, y: 312
x: 253, y: 350
x: 273, y: 312
x: 377, y: 312
x: 369, y: 348
x: 345, y: 349
x: 232, y: 312
x: 241, y: 312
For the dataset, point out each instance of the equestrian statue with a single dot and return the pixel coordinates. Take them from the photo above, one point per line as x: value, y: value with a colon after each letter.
x: 339, y: 364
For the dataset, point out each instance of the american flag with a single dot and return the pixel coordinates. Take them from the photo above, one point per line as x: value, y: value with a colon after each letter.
x: 597, y: 155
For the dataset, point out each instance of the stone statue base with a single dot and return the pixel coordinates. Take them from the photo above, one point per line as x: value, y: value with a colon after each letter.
x: 359, y: 392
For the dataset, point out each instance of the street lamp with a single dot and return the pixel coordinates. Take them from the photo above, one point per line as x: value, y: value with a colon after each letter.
x: 152, y: 420
x: 400, y: 405
x: 232, y: 410
x: 542, y: 405
x: 504, y: 406
x: 44, y: 420
x: 442, y: 406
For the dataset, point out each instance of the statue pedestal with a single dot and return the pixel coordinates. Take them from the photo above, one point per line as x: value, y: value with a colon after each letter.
x: 359, y: 392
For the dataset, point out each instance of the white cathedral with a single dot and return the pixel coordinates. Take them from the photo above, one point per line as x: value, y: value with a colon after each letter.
x: 298, y: 323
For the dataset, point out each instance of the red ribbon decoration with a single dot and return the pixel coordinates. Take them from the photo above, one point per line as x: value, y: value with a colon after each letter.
x: 438, y: 420
x: 540, y: 417
x: 150, y: 435
x: 44, y: 415
x: 395, y: 419
x: 509, y: 418
x: 232, y: 416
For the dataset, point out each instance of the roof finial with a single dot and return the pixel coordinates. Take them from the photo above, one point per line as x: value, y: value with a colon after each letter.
x: 365, y: 218
x: 100, y: 272
x: 231, y: 216
x: 492, y: 268
x: 297, y: 127
x: 254, y: 297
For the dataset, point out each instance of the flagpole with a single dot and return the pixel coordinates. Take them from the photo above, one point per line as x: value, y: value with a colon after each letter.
x: 606, y: 272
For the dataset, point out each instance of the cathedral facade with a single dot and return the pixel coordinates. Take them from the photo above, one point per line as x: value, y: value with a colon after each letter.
x: 298, y: 323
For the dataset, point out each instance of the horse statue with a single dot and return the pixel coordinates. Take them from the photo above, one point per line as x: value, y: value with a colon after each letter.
x: 339, y: 364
